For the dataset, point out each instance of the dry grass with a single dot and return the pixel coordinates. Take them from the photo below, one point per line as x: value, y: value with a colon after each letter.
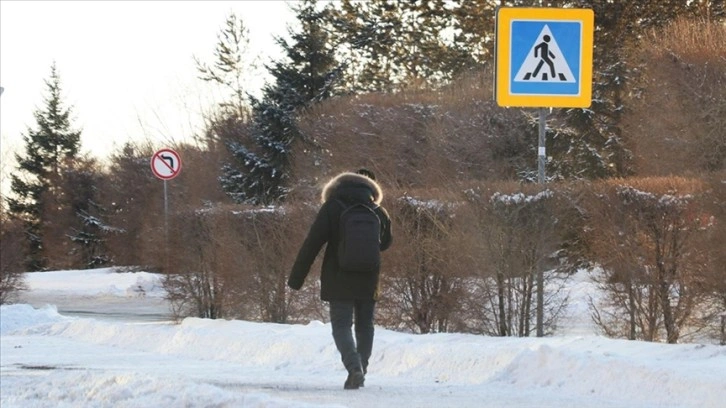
x: 692, y: 40
x: 676, y: 112
x: 674, y: 185
x: 414, y: 139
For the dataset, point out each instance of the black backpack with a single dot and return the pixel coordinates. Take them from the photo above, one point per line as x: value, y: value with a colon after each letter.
x: 359, y: 247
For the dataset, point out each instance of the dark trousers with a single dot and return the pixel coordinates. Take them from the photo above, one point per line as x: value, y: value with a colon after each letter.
x: 354, y: 352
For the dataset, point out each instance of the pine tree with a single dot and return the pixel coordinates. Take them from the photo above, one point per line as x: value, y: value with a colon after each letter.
x: 391, y: 45
x: 306, y: 75
x: 48, y: 149
x: 87, y: 221
x: 232, y: 66
x: 130, y: 206
x: 474, y: 28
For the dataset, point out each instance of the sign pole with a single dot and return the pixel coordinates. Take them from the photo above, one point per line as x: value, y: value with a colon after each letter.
x: 541, y: 161
x: 541, y: 151
x: 166, y: 164
x: 166, y: 228
x: 543, y: 58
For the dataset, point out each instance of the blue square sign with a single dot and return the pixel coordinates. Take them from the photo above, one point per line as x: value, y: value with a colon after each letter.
x: 544, y: 57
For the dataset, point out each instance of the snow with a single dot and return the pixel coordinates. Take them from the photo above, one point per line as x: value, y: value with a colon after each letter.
x: 99, y: 338
x: 520, y: 198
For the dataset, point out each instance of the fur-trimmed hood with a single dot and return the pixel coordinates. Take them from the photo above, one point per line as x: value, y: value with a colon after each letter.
x: 352, y: 186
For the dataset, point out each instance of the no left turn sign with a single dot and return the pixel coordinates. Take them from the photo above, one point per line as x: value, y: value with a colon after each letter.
x: 166, y: 164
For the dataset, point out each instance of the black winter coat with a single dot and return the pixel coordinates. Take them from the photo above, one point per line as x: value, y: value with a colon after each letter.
x: 349, y: 188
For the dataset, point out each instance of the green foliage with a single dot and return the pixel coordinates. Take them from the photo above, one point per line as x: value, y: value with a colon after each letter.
x: 87, y: 215
x: 474, y: 27
x: 49, y: 148
x: 306, y: 75
x: 131, y: 197
x: 393, y: 45
x: 231, y: 65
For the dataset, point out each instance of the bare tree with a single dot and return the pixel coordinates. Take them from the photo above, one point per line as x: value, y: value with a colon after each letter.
x: 232, y: 262
x: 201, y: 278
x: 12, y: 261
x: 650, y: 244
x: 519, y: 232
x: 270, y: 248
x: 713, y: 310
x: 423, y: 283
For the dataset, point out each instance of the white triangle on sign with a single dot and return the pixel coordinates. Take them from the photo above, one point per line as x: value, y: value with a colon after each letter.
x: 548, y: 61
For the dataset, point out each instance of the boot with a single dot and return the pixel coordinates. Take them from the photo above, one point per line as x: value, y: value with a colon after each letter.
x: 355, y: 380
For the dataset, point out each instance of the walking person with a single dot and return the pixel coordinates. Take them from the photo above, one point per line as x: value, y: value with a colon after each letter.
x: 351, y: 265
x: 542, y: 51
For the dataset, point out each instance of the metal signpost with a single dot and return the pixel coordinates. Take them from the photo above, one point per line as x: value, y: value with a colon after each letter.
x: 166, y: 164
x: 543, y: 60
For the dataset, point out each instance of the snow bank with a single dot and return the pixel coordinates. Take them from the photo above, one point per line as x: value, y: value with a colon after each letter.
x: 95, y: 282
x: 16, y: 317
x: 91, y: 390
x: 635, y: 373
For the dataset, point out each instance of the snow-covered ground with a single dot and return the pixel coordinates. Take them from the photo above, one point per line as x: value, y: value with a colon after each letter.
x: 101, y: 339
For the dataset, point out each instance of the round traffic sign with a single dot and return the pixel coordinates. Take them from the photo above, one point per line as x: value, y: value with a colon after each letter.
x: 166, y: 164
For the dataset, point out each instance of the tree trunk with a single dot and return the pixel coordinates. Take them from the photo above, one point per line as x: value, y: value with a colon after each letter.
x: 669, y: 320
x: 500, y: 302
x: 631, y: 305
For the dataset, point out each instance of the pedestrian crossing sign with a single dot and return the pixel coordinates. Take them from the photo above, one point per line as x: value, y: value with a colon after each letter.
x: 544, y: 57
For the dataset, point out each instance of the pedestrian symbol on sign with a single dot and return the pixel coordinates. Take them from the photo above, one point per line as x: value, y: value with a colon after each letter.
x: 545, y: 51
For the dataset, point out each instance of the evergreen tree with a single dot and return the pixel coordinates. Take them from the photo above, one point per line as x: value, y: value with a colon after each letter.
x: 88, y: 228
x: 474, y: 29
x: 306, y: 75
x: 48, y: 149
x: 231, y: 66
x: 390, y: 45
x: 130, y: 207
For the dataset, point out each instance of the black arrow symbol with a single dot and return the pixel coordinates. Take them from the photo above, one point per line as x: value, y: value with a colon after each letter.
x: 169, y: 159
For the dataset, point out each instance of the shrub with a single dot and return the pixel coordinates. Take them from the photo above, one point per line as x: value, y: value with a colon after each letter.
x: 12, y: 261
x: 648, y: 234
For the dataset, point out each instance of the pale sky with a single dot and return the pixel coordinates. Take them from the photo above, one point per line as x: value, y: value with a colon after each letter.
x: 126, y: 67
